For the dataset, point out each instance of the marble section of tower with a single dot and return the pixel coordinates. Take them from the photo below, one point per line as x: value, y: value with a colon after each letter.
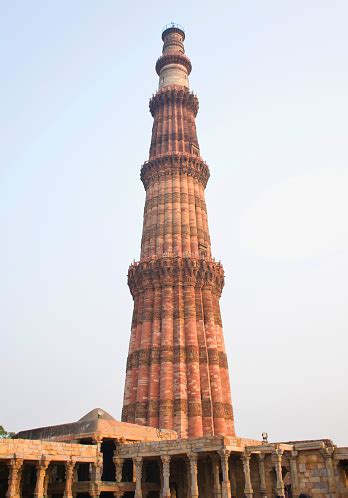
x: 177, y: 373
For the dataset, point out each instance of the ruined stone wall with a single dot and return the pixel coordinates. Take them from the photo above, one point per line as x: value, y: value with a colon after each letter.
x: 313, y: 474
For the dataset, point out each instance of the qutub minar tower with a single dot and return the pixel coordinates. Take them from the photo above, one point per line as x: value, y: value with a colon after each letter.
x: 177, y: 437
x: 177, y: 373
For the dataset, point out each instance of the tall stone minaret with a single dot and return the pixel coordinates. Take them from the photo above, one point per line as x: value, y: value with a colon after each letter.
x: 177, y: 373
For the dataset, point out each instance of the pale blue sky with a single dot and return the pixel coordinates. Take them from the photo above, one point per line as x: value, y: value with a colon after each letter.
x: 272, y: 81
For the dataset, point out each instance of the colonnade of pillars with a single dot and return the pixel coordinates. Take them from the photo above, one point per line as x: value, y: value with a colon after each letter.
x: 16, y: 467
x: 219, y: 460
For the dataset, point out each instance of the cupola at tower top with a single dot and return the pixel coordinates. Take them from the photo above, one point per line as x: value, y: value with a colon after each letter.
x: 173, y: 67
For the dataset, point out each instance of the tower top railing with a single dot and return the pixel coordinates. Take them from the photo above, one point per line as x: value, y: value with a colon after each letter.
x: 173, y: 26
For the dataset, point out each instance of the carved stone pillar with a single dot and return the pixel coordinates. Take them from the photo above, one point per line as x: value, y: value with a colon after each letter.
x: 97, y: 466
x: 295, y: 488
x: 188, y: 478
x: 327, y: 454
x: 193, y: 474
x: 226, y: 486
x: 97, y: 469
x: 14, y: 481
x: 98, y: 441
x: 138, y: 464
x: 215, y: 462
x: 118, y: 461
x: 46, y: 483
x: 69, y: 477
x: 76, y: 477
x: 166, y: 474
x: 41, y: 468
x: 233, y: 479
x: 261, y: 460
x: 248, y: 489
x: 134, y: 478
x: 277, y: 458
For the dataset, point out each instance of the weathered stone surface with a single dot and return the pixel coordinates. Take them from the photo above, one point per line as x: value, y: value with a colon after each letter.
x: 52, y: 450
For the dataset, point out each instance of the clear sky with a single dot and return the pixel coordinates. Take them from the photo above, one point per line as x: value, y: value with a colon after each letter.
x: 272, y: 81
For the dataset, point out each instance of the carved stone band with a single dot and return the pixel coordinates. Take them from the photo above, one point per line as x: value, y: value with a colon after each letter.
x: 174, y: 164
x: 170, y: 271
x: 175, y: 58
x: 175, y: 354
x: 173, y: 95
x: 153, y: 408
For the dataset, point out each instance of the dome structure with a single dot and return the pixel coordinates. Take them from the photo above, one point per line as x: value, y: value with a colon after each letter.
x: 96, y: 414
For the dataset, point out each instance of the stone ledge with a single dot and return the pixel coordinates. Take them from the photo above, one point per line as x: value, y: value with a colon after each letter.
x: 174, y: 94
x: 159, y: 272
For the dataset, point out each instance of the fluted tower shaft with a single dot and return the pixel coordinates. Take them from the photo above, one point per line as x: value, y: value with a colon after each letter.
x: 177, y: 373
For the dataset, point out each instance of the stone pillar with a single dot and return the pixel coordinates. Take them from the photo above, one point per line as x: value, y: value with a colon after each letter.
x: 216, y: 474
x: 233, y: 480
x: 166, y: 474
x: 98, y: 441
x: 193, y: 474
x: 76, y: 477
x: 188, y: 478
x: 138, y: 463
x: 96, y: 470
x: 261, y: 460
x: 277, y: 457
x: 327, y: 454
x: 226, y: 486
x: 97, y: 466
x: 295, y: 488
x: 118, y: 461
x: 248, y: 489
x: 134, y: 472
x: 41, y: 468
x: 14, y: 481
x: 69, y: 477
x: 46, y: 483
